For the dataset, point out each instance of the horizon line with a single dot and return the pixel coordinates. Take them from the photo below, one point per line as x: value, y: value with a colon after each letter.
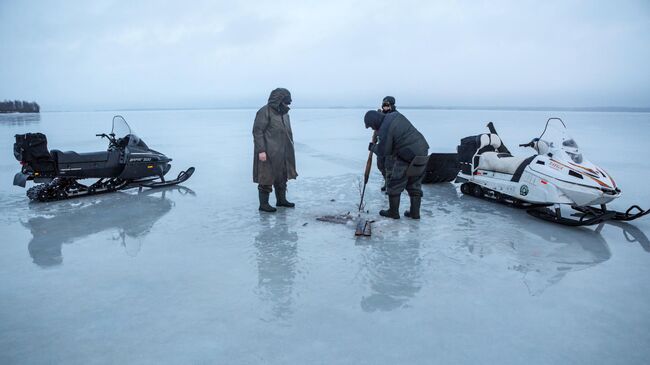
x: 623, y: 109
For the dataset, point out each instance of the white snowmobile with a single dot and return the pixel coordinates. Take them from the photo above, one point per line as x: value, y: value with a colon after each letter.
x: 557, y: 175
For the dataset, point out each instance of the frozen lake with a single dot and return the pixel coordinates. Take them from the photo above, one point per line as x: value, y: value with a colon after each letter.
x: 198, y: 275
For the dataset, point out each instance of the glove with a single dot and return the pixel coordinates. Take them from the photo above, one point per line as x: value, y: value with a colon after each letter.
x: 371, y: 147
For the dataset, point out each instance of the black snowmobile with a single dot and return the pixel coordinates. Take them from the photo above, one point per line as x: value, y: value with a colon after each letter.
x: 127, y: 163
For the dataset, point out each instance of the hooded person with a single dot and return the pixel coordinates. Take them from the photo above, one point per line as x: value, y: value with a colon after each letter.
x: 405, y: 151
x: 274, y: 161
x: 387, y: 106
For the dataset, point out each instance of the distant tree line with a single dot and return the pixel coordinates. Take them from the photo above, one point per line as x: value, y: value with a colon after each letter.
x: 18, y: 106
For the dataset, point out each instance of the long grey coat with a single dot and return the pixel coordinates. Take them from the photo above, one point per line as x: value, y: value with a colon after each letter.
x: 272, y: 134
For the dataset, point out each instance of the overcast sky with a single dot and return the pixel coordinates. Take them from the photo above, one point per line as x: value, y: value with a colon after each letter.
x: 80, y: 55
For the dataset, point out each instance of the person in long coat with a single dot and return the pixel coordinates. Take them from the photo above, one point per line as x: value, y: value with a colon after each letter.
x: 274, y: 160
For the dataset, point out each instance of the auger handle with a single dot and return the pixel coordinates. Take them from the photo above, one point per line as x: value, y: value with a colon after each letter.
x: 366, y: 174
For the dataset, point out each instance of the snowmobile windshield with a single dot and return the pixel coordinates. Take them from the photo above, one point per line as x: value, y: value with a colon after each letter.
x: 124, y: 134
x: 120, y: 128
x: 559, y: 140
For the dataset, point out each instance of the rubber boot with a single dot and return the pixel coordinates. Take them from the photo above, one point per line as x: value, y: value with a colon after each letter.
x: 264, y: 202
x: 414, y: 211
x: 393, y: 207
x: 281, y: 199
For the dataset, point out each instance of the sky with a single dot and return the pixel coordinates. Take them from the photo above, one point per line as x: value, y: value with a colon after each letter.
x: 95, y: 55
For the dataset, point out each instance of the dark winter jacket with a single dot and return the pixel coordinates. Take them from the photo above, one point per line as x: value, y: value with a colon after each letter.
x: 397, y: 137
x: 272, y: 134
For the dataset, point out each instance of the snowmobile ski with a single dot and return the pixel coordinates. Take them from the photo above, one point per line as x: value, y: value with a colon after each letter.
x: 632, y: 213
x: 586, y: 219
x: 182, y: 177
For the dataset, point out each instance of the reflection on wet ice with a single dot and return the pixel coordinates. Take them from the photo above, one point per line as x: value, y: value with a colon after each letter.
x: 564, y: 251
x: 132, y: 215
x: 276, y: 255
x: 544, y: 253
x: 14, y: 119
x: 463, y: 228
x: 631, y: 233
x: 394, y: 274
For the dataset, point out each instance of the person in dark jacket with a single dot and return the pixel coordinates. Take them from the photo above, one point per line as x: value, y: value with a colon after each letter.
x: 387, y: 106
x: 274, y: 161
x: 402, y: 145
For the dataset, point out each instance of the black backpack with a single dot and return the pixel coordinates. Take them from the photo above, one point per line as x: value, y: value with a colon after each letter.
x: 31, y: 148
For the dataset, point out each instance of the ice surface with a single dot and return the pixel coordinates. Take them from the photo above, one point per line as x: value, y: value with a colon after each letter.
x: 198, y: 275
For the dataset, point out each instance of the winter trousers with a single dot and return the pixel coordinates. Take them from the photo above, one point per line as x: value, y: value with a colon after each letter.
x: 269, y: 188
x: 398, y: 181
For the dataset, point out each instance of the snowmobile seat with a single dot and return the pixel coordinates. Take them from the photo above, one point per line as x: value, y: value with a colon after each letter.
x: 490, y: 142
x: 500, y: 162
x: 71, y: 157
x: 488, y: 146
x: 492, y: 160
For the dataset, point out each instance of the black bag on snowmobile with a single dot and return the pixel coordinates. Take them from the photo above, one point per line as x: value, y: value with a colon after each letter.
x: 31, y: 148
x: 466, y: 150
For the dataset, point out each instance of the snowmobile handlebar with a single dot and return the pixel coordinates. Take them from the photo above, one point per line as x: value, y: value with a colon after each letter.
x: 530, y: 144
x: 110, y: 137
